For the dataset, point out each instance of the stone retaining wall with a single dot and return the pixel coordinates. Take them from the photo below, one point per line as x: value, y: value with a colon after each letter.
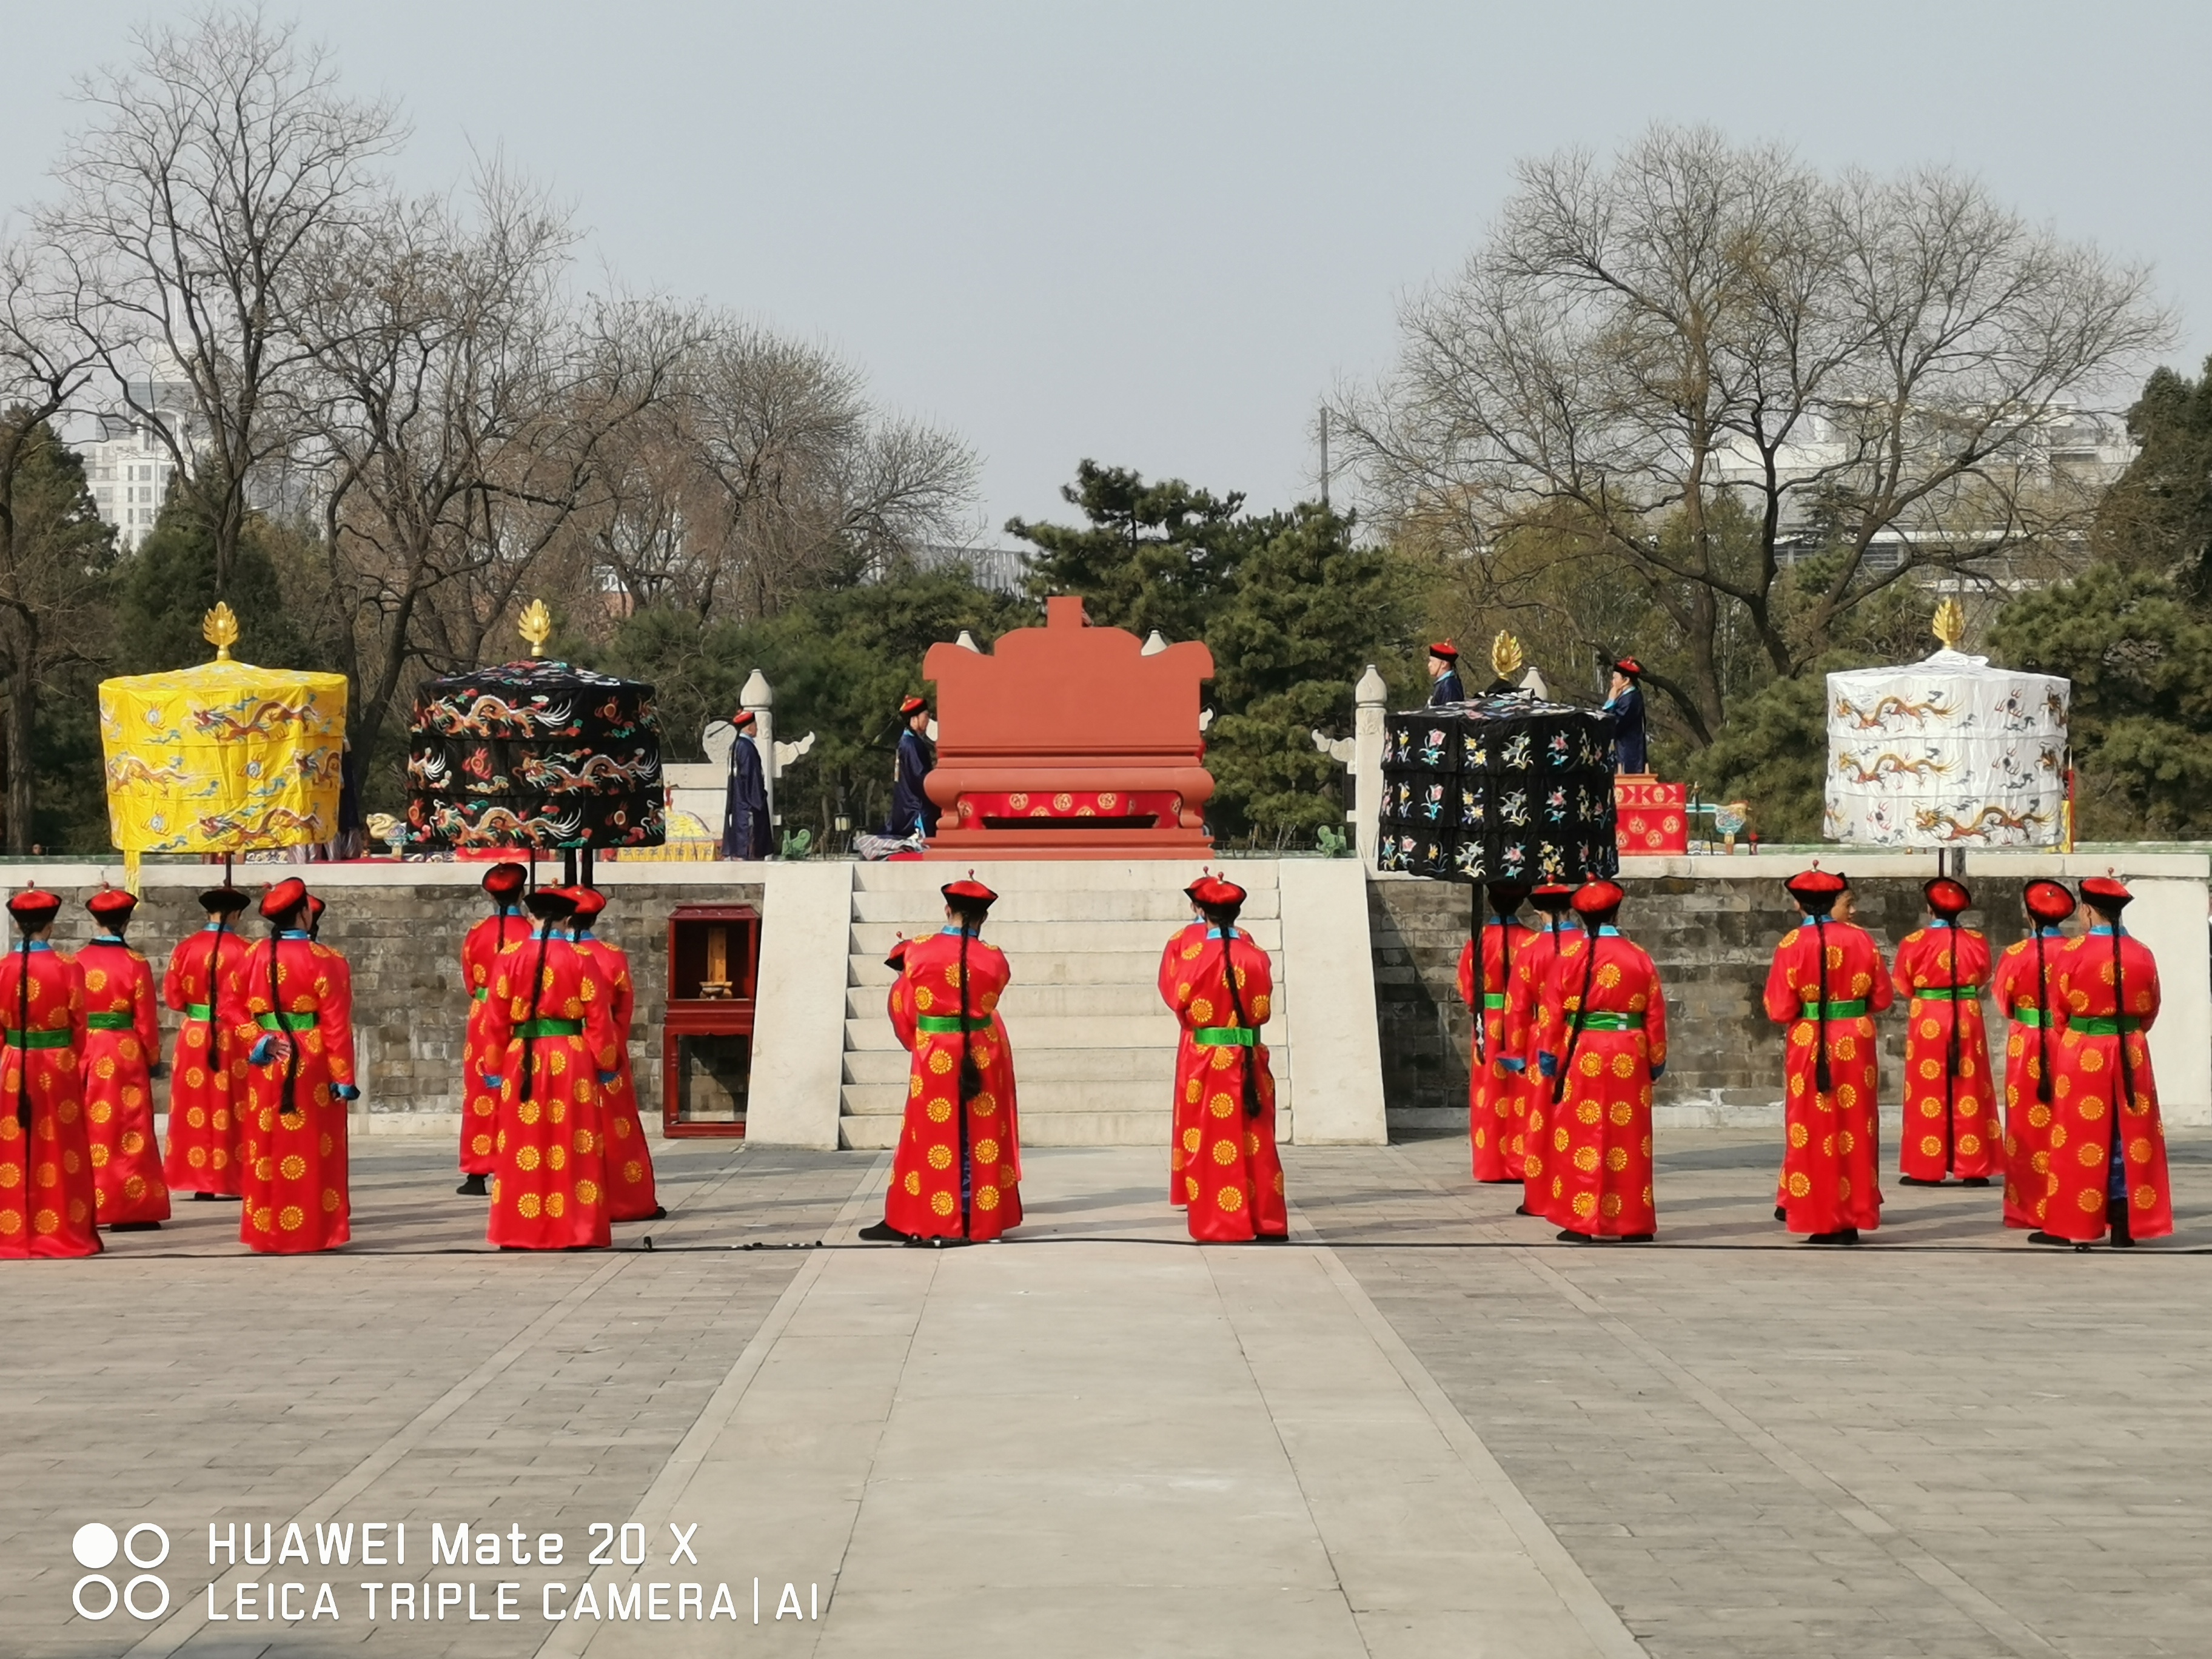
x: 403, y: 938
x: 1711, y: 939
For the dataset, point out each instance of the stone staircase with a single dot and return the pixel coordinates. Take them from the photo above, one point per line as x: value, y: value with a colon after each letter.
x: 1094, y: 1046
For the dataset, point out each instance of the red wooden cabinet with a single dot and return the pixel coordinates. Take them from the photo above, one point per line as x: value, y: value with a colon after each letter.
x: 707, y: 1046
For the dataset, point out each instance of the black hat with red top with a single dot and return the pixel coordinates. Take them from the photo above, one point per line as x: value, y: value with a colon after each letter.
x: 1946, y: 897
x: 1816, y: 890
x: 2105, y: 895
x: 280, y: 902
x: 34, y: 908
x: 112, y: 906
x: 2048, y: 902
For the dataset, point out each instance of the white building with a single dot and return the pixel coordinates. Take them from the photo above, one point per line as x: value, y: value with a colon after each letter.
x: 127, y: 464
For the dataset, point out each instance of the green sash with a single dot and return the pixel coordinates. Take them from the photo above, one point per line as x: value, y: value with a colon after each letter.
x: 1603, y: 1019
x: 1226, y: 1036
x: 37, y: 1039
x: 108, y: 1021
x: 285, y: 1022
x: 940, y: 1024
x: 2104, y: 1024
x: 1855, y: 1009
x: 546, y: 1028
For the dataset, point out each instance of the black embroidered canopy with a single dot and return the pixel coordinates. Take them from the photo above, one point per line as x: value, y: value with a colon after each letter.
x: 1498, y: 789
x: 538, y: 754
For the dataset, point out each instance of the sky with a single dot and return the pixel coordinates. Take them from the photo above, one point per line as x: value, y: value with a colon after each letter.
x: 1157, y: 235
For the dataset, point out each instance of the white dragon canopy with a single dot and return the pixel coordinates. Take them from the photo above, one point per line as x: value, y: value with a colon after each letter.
x: 1947, y: 753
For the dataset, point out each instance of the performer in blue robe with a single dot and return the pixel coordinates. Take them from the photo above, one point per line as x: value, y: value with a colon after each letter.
x: 1443, y: 674
x: 1625, y: 705
x: 912, y: 810
x: 745, y: 809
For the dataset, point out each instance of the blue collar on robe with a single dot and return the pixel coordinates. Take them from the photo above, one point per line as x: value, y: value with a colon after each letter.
x: 2105, y: 933
x: 108, y: 939
x: 294, y: 933
x: 36, y: 944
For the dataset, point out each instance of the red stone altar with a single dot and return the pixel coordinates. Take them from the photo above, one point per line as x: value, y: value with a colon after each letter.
x: 1068, y: 742
x: 1649, y: 817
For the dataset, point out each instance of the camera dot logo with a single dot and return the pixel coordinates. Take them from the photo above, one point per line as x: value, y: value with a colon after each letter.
x: 96, y: 1547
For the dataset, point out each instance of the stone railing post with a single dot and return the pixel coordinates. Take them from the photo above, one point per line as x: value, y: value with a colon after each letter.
x: 1370, y: 699
x: 759, y: 699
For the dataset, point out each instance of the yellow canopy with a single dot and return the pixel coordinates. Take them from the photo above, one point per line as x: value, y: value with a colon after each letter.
x: 222, y: 758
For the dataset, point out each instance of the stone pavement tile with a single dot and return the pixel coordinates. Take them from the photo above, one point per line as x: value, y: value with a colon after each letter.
x: 198, y: 1384
x: 1085, y: 1621
x: 1712, y: 1424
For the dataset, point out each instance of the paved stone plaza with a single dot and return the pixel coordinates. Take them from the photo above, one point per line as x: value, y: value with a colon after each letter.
x: 1423, y: 1427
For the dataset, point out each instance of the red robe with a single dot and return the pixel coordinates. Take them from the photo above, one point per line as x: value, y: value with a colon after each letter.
x: 1232, y: 1181
x: 939, y: 1141
x: 51, y: 1213
x: 480, y: 954
x: 2023, y: 989
x: 1959, y: 1135
x: 1531, y: 1016
x: 550, y: 1017
x: 1177, y: 960
x: 2086, y: 1080
x: 1598, y: 1148
x: 1830, y: 1177
x: 1497, y: 1092
x: 121, y: 1041
x: 205, y: 1127
x: 297, y: 1198
x: 630, y: 1194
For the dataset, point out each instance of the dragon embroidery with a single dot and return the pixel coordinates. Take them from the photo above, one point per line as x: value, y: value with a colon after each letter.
x: 1892, y: 708
x: 1988, y: 823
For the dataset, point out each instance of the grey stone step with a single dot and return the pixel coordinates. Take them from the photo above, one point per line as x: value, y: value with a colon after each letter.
x: 1025, y: 1001
x: 1041, y: 1032
x: 1168, y: 908
x: 1153, y: 1066
x: 1018, y: 939
x: 1045, y: 967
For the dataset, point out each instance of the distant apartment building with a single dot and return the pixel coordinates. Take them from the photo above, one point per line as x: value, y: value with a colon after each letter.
x: 127, y: 464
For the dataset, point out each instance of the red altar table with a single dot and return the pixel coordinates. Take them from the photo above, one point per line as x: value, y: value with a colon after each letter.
x: 1649, y: 817
x: 1068, y: 741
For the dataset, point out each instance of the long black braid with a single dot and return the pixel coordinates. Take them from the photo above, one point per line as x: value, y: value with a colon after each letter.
x: 1474, y: 949
x: 971, y: 1076
x: 530, y: 1023
x: 2127, y: 1065
x: 1823, y: 1080
x: 1226, y: 921
x: 23, y: 1042
x: 215, y: 995
x: 1582, y: 1006
x: 2042, y: 1020
x: 288, y: 1106
x: 1951, y: 1058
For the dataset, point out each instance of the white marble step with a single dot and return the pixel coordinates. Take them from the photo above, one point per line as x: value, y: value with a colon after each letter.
x: 1025, y: 1002
x: 1041, y: 968
x: 1021, y: 939
x: 1012, y: 876
x: 1044, y: 1031
x: 876, y: 1133
x: 1155, y: 1068
x: 1168, y: 910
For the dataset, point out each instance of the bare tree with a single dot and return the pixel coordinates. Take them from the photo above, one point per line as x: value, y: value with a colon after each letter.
x: 462, y: 404
x: 208, y: 174
x: 770, y: 474
x: 1684, y: 364
x: 49, y: 554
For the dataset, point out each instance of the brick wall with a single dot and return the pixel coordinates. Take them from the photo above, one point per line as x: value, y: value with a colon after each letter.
x: 1712, y: 941
x: 405, y: 945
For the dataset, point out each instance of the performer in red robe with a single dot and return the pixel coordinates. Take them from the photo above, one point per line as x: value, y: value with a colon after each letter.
x: 1826, y: 984
x: 2024, y: 988
x: 1530, y: 1016
x: 481, y: 950
x: 46, y: 1193
x: 2107, y: 1166
x: 549, y: 1016
x: 1951, y: 1125
x: 1232, y: 1180
x: 1497, y: 1093
x: 957, y: 1175
x: 1178, y: 960
x: 289, y: 1006
x: 630, y: 1193
x: 1596, y: 1071
x: 206, y: 1077
x: 122, y: 1049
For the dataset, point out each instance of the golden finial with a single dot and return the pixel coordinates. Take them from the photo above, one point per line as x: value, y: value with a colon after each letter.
x: 219, y: 628
x: 535, y: 624
x: 1504, y: 655
x: 1950, y: 624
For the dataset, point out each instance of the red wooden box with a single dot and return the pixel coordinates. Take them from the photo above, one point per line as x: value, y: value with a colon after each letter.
x: 707, y: 1046
x: 1650, y: 816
